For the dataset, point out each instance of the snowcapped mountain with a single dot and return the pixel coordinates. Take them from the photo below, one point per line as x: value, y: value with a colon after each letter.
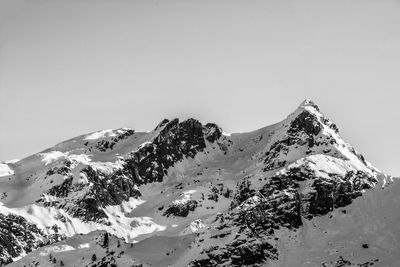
x: 187, y: 194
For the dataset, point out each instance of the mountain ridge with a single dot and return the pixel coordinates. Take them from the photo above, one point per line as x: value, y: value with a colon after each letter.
x: 232, y: 195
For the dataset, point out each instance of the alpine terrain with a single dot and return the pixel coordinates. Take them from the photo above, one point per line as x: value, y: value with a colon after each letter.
x: 188, y: 194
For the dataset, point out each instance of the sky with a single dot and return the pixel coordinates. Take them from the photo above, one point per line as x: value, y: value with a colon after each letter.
x: 73, y: 67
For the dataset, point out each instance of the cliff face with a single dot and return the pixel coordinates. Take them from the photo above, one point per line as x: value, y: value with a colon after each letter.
x: 239, y: 196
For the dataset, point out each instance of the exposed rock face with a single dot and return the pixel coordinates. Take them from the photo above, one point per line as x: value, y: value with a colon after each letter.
x: 256, y: 215
x: 248, y: 228
x: 329, y: 194
x: 63, y: 170
x: 302, y: 132
x: 212, y: 132
x: 18, y: 236
x: 242, y: 252
x: 324, y: 194
x: 104, y: 190
x: 306, y: 122
x: 176, y: 141
x: 243, y: 193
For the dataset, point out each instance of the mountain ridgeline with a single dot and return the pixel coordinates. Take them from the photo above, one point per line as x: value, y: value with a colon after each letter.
x: 188, y: 194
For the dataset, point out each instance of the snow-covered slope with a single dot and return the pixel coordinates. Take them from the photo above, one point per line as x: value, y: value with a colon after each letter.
x: 273, y: 196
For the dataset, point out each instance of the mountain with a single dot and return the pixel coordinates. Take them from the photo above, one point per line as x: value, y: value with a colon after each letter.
x: 188, y: 194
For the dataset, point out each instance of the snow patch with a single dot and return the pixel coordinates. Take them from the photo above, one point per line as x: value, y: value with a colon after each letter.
x: 55, y: 249
x: 11, y: 161
x: 5, y: 170
x: 52, y: 156
x: 81, y: 158
x: 196, y: 225
x: 226, y: 134
x: 186, y: 196
x: 100, y: 134
x: 85, y: 245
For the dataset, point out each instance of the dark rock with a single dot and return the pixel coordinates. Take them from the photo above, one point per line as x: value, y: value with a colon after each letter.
x: 212, y: 132
x: 306, y: 122
x: 181, y: 209
x: 175, y: 142
x: 244, y: 192
x: 18, y: 236
x: 161, y: 124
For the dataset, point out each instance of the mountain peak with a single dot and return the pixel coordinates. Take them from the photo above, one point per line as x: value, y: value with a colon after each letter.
x: 308, y: 103
x: 161, y: 124
x: 307, y: 113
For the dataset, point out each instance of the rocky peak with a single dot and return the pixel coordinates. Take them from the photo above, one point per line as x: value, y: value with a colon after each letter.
x: 188, y: 128
x: 309, y: 119
x: 307, y: 132
x: 309, y: 103
x: 212, y: 132
x: 161, y: 124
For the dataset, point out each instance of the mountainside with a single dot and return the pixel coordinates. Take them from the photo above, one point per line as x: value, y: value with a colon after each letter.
x: 187, y: 194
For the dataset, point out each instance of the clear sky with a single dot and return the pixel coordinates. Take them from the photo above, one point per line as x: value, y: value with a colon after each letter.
x: 72, y: 67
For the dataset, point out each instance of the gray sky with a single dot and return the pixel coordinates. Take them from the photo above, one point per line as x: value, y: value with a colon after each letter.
x: 71, y: 67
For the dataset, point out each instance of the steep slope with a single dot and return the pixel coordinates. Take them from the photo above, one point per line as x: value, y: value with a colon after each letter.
x: 248, y: 197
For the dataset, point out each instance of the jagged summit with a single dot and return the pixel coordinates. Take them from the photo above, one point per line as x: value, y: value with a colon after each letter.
x: 307, y: 107
x: 161, y: 124
x: 308, y: 103
x: 112, y: 133
x: 233, y: 200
